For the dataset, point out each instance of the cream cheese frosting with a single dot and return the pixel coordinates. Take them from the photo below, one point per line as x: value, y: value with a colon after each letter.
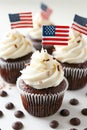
x: 38, y: 22
x: 14, y: 45
x: 43, y: 71
x: 75, y: 52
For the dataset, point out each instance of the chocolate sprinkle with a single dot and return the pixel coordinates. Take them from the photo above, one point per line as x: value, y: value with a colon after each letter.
x: 3, y: 93
x: 75, y: 121
x: 64, y: 112
x: 74, y: 101
x: 15, y: 46
x: 54, y: 124
x: 84, y: 111
x: 1, y: 113
x: 19, y: 114
x: 9, y: 106
x: 17, y: 125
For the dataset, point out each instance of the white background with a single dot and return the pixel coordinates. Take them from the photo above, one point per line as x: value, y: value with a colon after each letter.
x: 63, y: 10
x: 63, y: 13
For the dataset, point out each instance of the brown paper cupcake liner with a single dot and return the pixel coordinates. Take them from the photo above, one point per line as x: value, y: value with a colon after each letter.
x: 76, y: 77
x: 10, y: 71
x: 41, y: 105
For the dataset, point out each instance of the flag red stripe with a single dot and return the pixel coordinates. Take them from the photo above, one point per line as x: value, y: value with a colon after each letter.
x: 55, y: 39
x: 62, y: 35
x: 12, y: 27
x: 67, y: 27
x: 25, y: 13
x: 62, y: 31
x: 23, y: 17
x: 80, y: 31
x: 27, y: 23
x: 54, y: 43
x: 26, y: 19
x: 83, y: 28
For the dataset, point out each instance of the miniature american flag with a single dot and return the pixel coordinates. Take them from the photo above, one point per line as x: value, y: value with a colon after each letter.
x: 55, y: 35
x: 80, y: 24
x: 21, y: 20
x: 45, y: 11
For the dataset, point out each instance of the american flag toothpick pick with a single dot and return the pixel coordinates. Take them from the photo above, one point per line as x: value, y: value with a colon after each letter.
x: 21, y: 20
x: 55, y: 35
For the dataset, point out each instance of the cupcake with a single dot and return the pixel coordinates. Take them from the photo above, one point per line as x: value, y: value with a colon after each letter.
x: 74, y: 60
x: 15, y: 52
x: 35, y: 34
x: 42, y: 85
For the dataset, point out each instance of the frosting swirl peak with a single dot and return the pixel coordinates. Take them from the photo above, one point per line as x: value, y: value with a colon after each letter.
x: 75, y: 52
x: 14, y: 45
x: 43, y: 71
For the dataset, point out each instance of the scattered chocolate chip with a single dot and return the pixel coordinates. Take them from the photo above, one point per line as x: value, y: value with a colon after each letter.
x: 9, y: 105
x: 64, y: 112
x: 3, y: 93
x: 75, y: 121
x: 73, y: 129
x: 74, y: 101
x: 85, y: 129
x: 84, y: 111
x: 1, y: 113
x: 17, y: 125
x: 54, y: 124
x: 19, y: 114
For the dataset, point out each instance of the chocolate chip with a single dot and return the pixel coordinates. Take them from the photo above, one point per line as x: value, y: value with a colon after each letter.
x: 54, y: 124
x: 85, y: 129
x: 19, y: 114
x: 64, y: 112
x: 17, y: 125
x: 9, y: 105
x: 74, y: 101
x: 75, y: 121
x: 3, y: 93
x: 1, y: 113
x: 84, y: 111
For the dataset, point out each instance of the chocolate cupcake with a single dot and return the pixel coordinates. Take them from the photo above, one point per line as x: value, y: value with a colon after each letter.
x: 74, y: 60
x: 42, y: 85
x: 35, y: 34
x: 15, y: 51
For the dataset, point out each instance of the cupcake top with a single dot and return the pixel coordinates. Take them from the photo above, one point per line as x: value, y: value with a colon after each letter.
x: 38, y: 22
x: 43, y: 71
x: 75, y: 52
x: 14, y: 45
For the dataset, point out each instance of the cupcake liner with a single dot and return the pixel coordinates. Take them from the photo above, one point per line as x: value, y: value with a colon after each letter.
x: 41, y: 105
x: 10, y: 71
x: 76, y: 77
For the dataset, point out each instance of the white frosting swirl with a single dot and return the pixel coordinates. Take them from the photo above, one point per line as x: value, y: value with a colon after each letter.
x: 14, y: 45
x: 43, y: 71
x: 75, y: 52
x: 38, y: 22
